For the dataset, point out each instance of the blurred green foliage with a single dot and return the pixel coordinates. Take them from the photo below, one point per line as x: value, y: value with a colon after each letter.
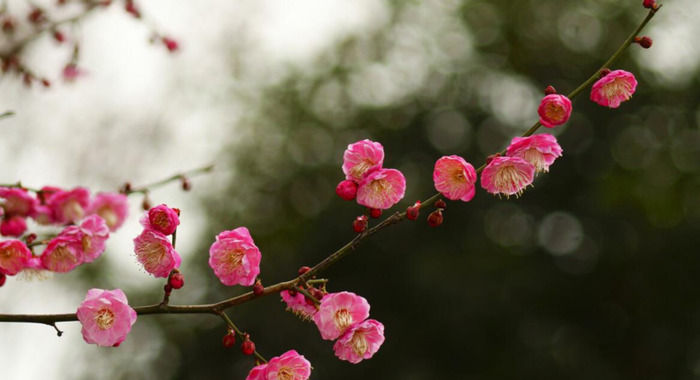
x: 589, y: 275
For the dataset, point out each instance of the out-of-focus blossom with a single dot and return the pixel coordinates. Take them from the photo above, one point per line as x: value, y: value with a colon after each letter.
x: 112, y: 207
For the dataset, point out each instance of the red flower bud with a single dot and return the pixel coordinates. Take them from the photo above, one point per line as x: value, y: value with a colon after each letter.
x: 440, y: 204
x: 644, y: 41
x: 59, y: 36
x: 413, y: 211
x: 229, y: 339
x: 360, y: 224
x: 177, y: 280
x: 2, y: 279
x: 347, y: 190
x: 603, y: 73
x: 168, y: 288
x: 258, y: 288
x: 649, y: 4
x: 8, y: 25
x: 303, y: 270
x: 248, y: 347
x: 435, y: 218
x: 375, y: 213
x: 550, y: 90
x: 170, y: 44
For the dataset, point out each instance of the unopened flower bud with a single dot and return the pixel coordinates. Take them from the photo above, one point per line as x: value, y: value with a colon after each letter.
x: 491, y: 157
x: 229, y: 339
x: 360, y: 224
x: 3, y: 278
x: 347, y: 190
x: 317, y: 293
x: 440, y: 204
x: 168, y: 288
x: 644, y: 41
x: 550, y: 90
x: 649, y: 4
x: 130, y: 8
x: 303, y: 270
x: 258, y: 288
x: 435, y: 218
x: 177, y: 280
x: 186, y: 184
x: 375, y: 213
x: 45, y: 82
x: 146, y: 204
x: 604, y: 73
x: 413, y: 211
x: 59, y: 36
x: 36, y: 16
x: 248, y: 347
x: 8, y: 25
x: 30, y: 238
x: 170, y: 44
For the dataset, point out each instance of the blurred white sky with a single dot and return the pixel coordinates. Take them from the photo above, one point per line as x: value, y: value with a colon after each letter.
x: 141, y: 114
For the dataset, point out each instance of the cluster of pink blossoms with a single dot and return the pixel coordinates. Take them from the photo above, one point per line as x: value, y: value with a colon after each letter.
x: 365, y: 178
x: 152, y: 247
x: 86, y: 225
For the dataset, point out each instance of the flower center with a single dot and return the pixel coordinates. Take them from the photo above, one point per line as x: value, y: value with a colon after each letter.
x: 104, y: 319
x: 536, y: 158
x: 73, y: 210
x: 87, y: 242
x: 235, y: 260
x: 62, y: 259
x: 554, y: 111
x: 509, y: 180
x: 152, y: 255
x: 108, y: 214
x: 343, y: 319
x: 161, y: 220
x: 617, y: 88
x: 360, y: 168
x: 285, y: 373
x: 359, y: 343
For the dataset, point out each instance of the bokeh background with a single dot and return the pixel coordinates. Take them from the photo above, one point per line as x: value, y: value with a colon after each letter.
x: 591, y: 274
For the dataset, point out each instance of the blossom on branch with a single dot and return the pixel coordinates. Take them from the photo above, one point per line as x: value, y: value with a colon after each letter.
x: 17, y: 201
x: 361, y: 341
x: 162, y: 219
x: 507, y: 175
x: 92, y: 234
x: 614, y: 88
x: 339, y: 311
x: 361, y: 158
x: 63, y: 253
x: 106, y: 317
x: 156, y: 254
x: 288, y: 366
x: 14, y: 255
x: 382, y: 189
x: 235, y: 258
x: 112, y: 207
x: 539, y: 150
x: 454, y: 178
x: 68, y: 206
x: 554, y: 110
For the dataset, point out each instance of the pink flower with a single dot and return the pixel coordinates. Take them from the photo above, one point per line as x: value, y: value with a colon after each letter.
x: 17, y: 201
x: 156, y: 254
x: 112, y: 207
x: 297, y: 305
x: 106, y: 317
x: 347, y: 189
x: 162, y: 219
x: 362, y: 157
x: 454, y: 178
x: 539, y: 150
x: 235, y: 258
x: 507, y: 175
x: 361, y: 341
x: 339, y: 311
x: 554, y: 110
x: 13, y: 226
x: 381, y: 189
x: 289, y: 366
x: 92, y: 234
x: 63, y: 253
x: 614, y: 88
x: 14, y: 255
x: 68, y: 206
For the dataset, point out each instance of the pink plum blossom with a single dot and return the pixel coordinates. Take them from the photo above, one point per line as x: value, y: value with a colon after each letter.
x: 554, y: 110
x: 297, y: 305
x: 112, y: 207
x: 361, y: 158
x: 68, y: 206
x: 13, y: 226
x: 156, y: 254
x: 507, y: 175
x: 162, y: 219
x: 63, y: 253
x: 92, y: 234
x: 539, y: 150
x: 17, y: 201
x: 381, y: 189
x: 106, y: 317
x: 14, y: 255
x: 614, y: 88
x: 288, y: 366
x: 338, y: 311
x: 454, y: 178
x: 235, y: 258
x: 361, y: 341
